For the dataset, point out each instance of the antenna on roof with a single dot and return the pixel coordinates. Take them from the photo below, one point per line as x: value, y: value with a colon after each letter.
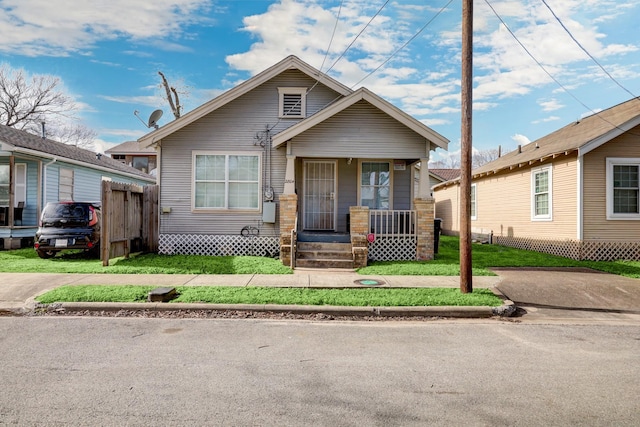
x: 153, y: 118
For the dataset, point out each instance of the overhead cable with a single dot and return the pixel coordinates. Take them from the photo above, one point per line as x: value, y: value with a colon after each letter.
x: 585, y: 50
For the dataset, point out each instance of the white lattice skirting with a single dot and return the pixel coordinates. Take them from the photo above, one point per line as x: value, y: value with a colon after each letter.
x: 393, y: 249
x: 218, y: 245
x: 588, y: 250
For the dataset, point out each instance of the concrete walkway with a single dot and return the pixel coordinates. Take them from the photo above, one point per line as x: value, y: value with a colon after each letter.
x: 537, y: 289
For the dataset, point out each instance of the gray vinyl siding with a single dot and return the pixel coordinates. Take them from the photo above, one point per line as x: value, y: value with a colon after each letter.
x: 360, y: 131
x: 231, y: 128
x: 402, y: 181
x: 87, y: 182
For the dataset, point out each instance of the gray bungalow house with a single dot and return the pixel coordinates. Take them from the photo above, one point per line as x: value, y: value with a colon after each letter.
x: 292, y: 162
x: 34, y: 171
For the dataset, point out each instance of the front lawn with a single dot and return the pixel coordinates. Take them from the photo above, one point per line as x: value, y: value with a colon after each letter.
x: 446, y: 263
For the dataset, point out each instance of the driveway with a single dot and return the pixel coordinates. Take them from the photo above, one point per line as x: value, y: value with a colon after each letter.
x: 570, y: 288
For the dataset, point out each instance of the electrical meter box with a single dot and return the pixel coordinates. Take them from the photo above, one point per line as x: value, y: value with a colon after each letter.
x: 269, y: 212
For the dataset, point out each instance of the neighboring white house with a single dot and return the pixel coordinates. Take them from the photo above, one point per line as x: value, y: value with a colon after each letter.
x: 34, y: 171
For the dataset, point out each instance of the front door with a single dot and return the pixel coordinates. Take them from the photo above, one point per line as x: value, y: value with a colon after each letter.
x: 319, y: 195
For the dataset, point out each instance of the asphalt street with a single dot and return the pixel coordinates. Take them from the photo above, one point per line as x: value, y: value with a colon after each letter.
x: 187, y: 372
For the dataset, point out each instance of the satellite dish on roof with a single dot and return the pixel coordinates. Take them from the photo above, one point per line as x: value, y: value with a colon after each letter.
x: 153, y: 118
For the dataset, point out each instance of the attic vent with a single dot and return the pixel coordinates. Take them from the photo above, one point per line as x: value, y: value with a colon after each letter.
x: 292, y: 102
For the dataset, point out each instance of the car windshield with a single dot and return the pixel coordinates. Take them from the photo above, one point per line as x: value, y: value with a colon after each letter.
x: 65, y: 210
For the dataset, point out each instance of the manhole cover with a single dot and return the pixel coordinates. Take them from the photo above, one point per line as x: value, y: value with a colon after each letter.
x: 369, y: 282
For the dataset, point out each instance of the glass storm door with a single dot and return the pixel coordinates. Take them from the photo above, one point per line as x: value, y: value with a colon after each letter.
x: 319, y: 195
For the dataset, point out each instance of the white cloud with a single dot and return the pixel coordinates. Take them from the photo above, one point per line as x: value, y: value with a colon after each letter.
x: 520, y: 139
x: 59, y: 27
x: 550, y: 104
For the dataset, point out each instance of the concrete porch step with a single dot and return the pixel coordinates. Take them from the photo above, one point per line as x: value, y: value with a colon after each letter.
x: 324, y: 255
x: 325, y: 263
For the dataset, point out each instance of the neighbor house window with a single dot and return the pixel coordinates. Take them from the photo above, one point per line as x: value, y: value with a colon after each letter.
x: 4, y: 185
x: 474, y: 213
x: 65, y: 184
x: 226, y: 181
x: 141, y: 163
x: 293, y: 102
x: 375, y: 185
x: 541, y: 193
x: 20, y: 184
x: 623, y: 188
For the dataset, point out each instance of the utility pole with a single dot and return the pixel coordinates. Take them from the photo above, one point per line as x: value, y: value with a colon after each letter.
x: 466, y: 278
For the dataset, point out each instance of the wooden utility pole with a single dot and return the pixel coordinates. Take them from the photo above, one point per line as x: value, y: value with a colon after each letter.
x: 466, y: 278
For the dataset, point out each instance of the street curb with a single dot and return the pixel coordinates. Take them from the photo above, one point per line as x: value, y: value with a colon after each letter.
x: 443, y: 311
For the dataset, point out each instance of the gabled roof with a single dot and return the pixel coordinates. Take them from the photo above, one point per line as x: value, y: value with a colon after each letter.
x: 581, y: 136
x: 289, y: 63
x: 130, y: 147
x: 20, y: 141
x: 346, y: 102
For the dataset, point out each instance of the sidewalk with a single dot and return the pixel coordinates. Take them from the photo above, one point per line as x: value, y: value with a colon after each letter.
x: 18, y: 290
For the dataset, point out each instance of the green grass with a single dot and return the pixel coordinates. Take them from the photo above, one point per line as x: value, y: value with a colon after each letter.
x: 484, y: 257
x: 378, y: 297
x: 26, y: 260
x: 446, y: 263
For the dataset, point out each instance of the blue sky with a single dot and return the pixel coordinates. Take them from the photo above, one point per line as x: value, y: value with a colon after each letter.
x: 107, y: 54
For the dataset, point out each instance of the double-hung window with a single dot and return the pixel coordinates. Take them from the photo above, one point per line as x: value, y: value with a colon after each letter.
x: 65, y: 184
x: 4, y: 185
x: 541, y: 197
x: 623, y: 188
x: 375, y: 185
x: 226, y: 181
x: 474, y: 205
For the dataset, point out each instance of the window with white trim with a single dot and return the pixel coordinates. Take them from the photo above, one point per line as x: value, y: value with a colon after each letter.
x: 4, y: 185
x: 65, y: 184
x: 541, y: 197
x: 292, y: 102
x: 375, y: 185
x: 623, y: 188
x: 20, y: 184
x: 474, y: 195
x: 226, y: 181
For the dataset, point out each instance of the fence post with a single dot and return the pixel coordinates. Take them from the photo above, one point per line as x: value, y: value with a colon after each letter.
x: 105, y: 231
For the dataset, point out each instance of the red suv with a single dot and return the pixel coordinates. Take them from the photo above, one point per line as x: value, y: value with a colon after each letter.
x: 69, y: 225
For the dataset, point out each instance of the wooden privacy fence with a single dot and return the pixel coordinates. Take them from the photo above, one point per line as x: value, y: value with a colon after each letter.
x: 129, y: 220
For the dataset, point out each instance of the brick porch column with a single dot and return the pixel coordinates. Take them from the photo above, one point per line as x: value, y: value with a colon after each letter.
x: 425, y: 214
x: 359, y: 230
x: 288, y: 214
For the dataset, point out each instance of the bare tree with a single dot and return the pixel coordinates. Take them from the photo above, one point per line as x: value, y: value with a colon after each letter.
x: 478, y: 158
x: 482, y: 157
x: 172, y: 96
x: 26, y: 102
x: 78, y: 135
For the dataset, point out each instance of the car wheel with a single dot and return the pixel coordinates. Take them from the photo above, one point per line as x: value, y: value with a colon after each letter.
x: 46, y: 254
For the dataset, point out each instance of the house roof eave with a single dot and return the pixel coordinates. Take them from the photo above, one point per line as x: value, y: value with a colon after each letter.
x: 289, y: 63
x: 434, y: 138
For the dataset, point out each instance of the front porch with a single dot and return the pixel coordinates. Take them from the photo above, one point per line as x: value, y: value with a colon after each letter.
x: 377, y: 235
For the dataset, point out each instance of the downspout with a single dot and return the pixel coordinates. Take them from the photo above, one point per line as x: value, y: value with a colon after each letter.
x: 579, y: 198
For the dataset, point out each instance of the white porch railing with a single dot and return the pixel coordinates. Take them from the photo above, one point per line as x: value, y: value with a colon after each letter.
x: 392, y: 223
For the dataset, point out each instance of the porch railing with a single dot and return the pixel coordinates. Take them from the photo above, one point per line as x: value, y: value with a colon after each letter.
x: 393, y: 223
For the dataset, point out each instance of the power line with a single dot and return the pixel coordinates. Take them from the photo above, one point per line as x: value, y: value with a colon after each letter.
x: 585, y: 50
x: 335, y: 27
x: 547, y: 72
x: 358, y: 35
x: 404, y: 45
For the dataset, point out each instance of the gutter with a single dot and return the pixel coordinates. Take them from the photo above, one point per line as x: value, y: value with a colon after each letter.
x: 40, y: 154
